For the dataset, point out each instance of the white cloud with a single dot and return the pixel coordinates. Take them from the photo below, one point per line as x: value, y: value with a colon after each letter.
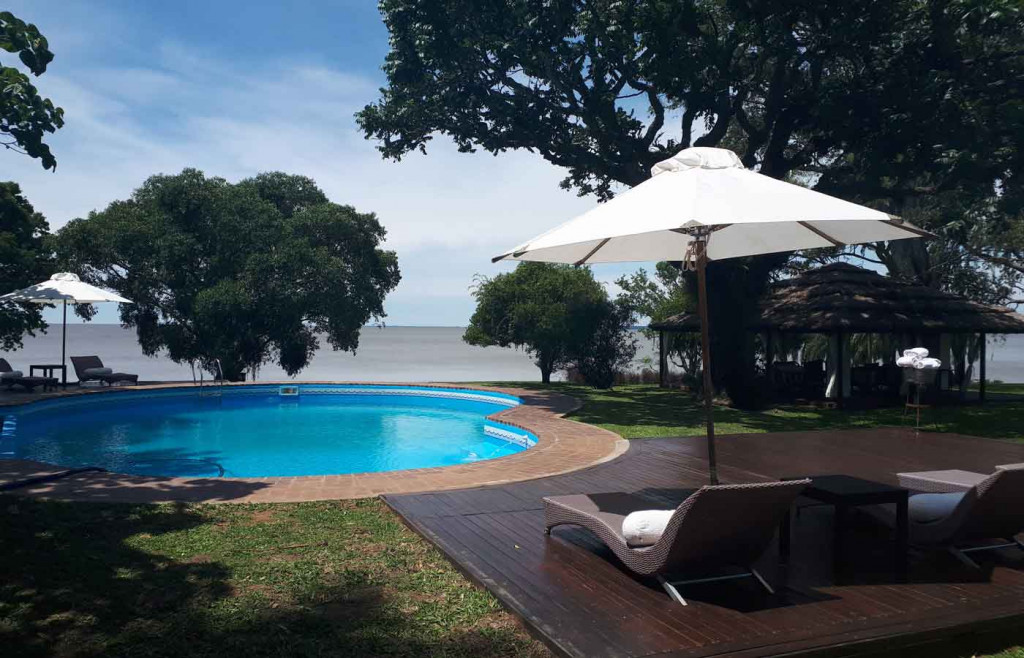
x: 446, y: 213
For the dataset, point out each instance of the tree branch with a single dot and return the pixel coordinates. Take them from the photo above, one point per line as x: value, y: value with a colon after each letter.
x: 1017, y: 266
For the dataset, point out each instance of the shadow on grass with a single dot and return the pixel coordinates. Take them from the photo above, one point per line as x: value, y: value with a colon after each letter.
x: 74, y: 583
x: 641, y: 411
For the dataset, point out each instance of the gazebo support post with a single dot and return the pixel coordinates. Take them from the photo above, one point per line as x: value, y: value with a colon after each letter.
x: 769, y: 357
x: 945, y: 375
x: 699, y: 246
x: 840, y: 369
x: 981, y: 368
x: 663, y: 358
x: 837, y: 373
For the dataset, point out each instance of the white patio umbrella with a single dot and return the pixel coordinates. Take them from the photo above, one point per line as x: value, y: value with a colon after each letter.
x: 702, y: 205
x: 64, y: 288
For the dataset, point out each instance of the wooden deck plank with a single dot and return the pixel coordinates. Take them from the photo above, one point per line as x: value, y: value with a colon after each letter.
x: 573, y: 594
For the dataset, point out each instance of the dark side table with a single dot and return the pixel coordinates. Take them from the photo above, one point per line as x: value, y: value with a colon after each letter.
x: 845, y: 492
x: 48, y: 369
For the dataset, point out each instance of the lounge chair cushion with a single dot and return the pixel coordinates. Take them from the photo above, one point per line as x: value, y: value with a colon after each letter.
x: 645, y: 527
x: 96, y: 372
x: 932, y: 507
x: 13, y: 374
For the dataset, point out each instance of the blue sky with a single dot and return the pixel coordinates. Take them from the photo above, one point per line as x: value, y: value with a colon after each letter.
x: 235, y: 88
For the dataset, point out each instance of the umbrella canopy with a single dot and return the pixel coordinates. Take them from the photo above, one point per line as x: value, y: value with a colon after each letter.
x: 702, y: 205
x: 64, y: 287
x: 709, y: 188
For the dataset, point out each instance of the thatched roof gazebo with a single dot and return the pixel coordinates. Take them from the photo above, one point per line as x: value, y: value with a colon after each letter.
x: 841, y: 299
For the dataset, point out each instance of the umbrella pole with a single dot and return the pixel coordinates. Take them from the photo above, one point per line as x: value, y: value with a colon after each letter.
x: 64, y: 348
x: 705, y: 352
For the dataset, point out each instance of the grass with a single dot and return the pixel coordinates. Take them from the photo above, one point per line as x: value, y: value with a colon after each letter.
x: 1002, y: 388
x: 333, y: 578
x: 339, y: 578
x: 646, y: 411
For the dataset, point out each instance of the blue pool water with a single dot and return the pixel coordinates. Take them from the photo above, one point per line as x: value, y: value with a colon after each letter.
x: 259, y: 433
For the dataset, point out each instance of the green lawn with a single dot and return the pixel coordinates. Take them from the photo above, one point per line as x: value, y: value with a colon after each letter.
x: 337, y: 578
x: 332, y: 578
x: 646, y: 411
x: 1001, y: 388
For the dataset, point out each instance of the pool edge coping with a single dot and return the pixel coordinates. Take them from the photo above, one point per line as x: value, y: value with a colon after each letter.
x: 563, y: 446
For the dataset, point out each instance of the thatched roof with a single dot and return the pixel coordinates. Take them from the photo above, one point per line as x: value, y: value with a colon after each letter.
x: 842, y: 297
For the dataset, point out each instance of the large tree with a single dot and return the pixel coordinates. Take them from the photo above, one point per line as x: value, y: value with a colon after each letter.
x: 25, y: 116
x: 246, y: 273
x: 559, y: 314
x: 606, y: 88
x: 942, y: 143
x: 24, y: 260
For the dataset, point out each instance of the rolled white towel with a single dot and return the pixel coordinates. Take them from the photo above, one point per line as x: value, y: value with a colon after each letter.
x: 920, y: 352
x: 907, y: 361
x: 928, y: 364
x: 96, y: 372
x: 644, y: 528
x: 14, y: 374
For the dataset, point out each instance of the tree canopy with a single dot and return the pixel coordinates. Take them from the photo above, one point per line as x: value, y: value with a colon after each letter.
x: 909, y: 105
x: 25, y: 116
x: 608, y: 88
x: 24, y: 260
x: 247, y: 273
x: 559, y: 314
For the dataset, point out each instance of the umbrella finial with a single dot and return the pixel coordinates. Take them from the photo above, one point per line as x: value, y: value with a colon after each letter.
x: 698, y: 157
x: 65, y: 276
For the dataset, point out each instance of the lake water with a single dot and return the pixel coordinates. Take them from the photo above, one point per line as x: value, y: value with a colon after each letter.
x: 407, y: 354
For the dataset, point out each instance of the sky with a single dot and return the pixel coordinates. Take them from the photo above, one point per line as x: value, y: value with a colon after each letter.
x: 235, y: 88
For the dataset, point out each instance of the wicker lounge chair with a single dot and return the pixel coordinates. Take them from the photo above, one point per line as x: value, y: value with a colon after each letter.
x: 28, y: 383
x: 958, y: 521
x: 83, y: 363
x: 714, y: 528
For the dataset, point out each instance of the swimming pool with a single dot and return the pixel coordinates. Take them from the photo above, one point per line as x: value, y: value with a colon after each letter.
x: 264, y: 431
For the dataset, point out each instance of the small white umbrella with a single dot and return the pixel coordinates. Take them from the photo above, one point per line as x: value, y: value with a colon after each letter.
x: 63, y: 288
x: 702, y: 205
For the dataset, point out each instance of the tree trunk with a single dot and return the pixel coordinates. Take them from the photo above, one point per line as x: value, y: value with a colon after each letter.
x: 546, y: 364
x: 234, y: 371
x: 734, y: 288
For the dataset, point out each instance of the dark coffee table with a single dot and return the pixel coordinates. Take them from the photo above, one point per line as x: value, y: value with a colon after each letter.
x: 845, y: 492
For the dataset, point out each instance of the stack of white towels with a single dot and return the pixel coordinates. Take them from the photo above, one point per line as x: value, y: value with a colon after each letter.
x: 918, y: 359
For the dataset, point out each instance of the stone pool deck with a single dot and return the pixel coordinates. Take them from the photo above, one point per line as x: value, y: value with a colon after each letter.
x: 563, y: 446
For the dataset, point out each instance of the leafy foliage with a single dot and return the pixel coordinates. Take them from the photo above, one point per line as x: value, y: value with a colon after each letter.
x: 940, y: 143
x: 247, y: 273
x: 897, y: 104
x: 661, y: 297
x: 25, y: 115
x: 557, y: 313
x: 24, y: 260
x: 607, y: 88
x: 608, y: 347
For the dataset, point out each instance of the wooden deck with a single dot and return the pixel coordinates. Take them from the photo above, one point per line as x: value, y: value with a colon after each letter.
x: 572, y: 594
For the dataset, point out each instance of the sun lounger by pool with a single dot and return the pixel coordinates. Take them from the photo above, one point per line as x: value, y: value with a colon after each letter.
x: 964, y: 512
x: 715, y: 528
x: 10, y: 378
x: 90, y: 368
